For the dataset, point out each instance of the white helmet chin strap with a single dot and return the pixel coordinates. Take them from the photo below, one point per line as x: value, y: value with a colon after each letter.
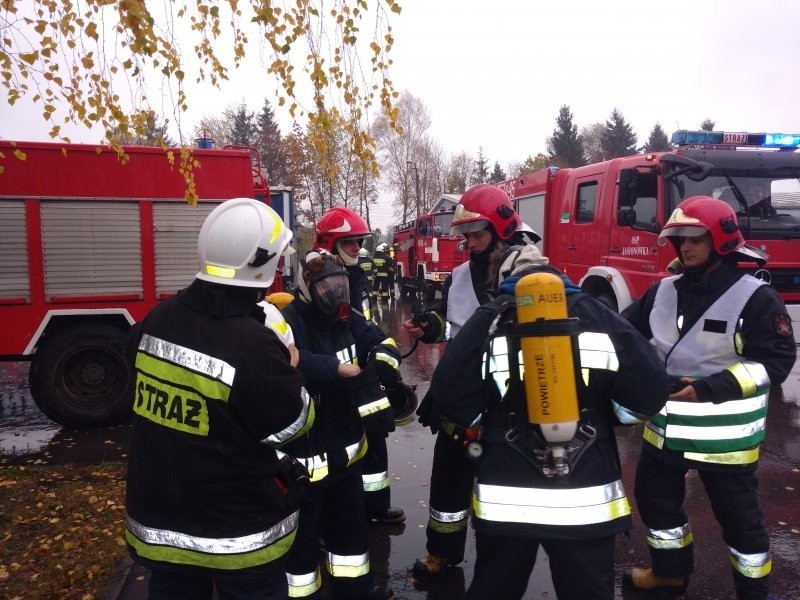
x: 346, y: 258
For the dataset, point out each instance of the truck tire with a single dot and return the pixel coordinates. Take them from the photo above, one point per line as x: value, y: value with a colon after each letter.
x: 79, y: 377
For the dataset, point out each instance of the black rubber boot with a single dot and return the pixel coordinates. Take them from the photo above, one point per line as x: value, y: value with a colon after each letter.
x: 392, y: 516
x: 432, y: 566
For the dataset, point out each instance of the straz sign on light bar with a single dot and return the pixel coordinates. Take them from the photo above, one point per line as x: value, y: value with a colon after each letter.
x: 734, y: 138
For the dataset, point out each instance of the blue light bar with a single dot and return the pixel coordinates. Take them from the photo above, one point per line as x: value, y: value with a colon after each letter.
x: 735, y: 138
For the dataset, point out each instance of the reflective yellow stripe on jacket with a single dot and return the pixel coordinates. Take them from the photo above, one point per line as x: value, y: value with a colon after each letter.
x: 549, y: 506
x: 252, y: 550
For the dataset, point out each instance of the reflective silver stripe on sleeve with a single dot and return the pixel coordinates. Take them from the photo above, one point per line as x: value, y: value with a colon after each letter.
x: 190, y: 359
x: 597, y: 351
x: 627, y: 417
x: 388, y: 359
x: 577, y: 506
x: 375, y: 481
x: 751, y: 376
x: 282, y: 437
x: 373, y: 407
x: 670, y: 539
x: 218, y: 546
x: 347, y: 355
x: 347, y: 566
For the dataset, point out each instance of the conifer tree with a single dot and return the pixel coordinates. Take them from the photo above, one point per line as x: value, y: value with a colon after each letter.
x: 498, y: 174
x: 658, y: 140
x: 618, y: 138
x: 565, y: 148
x: 270, y: 145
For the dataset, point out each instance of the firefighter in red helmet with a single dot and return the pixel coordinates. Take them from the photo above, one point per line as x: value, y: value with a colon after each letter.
x: 725, y: 338
x: 342, y: 232
x: 486, y: 218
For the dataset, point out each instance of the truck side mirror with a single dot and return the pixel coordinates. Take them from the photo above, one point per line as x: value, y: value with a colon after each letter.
x: 627, y: 182
x: 626, y: 217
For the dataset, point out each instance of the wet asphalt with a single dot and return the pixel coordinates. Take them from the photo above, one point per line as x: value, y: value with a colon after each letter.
x: 26, y: 433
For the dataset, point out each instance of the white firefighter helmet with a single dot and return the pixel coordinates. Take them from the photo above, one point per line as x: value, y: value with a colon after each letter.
x: 240, y: 244
x: 382, y: 247
x: 362, y: 252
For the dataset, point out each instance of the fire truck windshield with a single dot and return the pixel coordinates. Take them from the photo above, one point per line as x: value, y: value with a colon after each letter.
x: 762, y: 187
x: 442, y: 222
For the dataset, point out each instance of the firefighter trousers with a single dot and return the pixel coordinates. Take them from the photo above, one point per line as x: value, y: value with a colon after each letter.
x: 166, y: 584
x: 580, y: 568
x: 334, y: 517
x: 375, y: 477
x: 452, y: 477
x: 660, y: 490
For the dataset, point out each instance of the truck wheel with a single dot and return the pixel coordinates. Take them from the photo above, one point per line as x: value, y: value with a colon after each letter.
x: 80, y: 377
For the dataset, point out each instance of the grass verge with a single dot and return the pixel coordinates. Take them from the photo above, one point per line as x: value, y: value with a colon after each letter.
x: 61, y: 529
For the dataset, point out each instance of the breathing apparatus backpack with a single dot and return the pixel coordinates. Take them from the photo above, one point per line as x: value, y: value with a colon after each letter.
x: 543, y: 362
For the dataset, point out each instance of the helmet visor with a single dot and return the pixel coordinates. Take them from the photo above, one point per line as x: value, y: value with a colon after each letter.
x: 680, y: 231
x: 469, y: 226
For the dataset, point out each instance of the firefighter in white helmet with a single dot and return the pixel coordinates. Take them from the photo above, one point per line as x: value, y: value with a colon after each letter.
x: 536, y: 486
x: 214, y: 396
x: 725, y: 337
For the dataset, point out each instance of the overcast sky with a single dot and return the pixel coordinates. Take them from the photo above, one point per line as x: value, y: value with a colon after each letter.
x: 494, y: 73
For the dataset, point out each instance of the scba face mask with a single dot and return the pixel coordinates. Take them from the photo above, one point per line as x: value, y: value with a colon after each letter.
x: 328, y: 285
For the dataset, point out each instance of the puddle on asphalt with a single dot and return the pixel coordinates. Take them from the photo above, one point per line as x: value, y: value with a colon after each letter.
x: 23, y: 427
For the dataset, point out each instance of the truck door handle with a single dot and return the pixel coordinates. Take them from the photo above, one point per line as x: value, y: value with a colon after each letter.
x: 572, y: 248
x: 615, y: 250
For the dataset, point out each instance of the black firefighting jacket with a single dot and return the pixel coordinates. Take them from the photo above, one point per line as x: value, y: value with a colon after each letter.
x: 337, y: 439
x: 619, y: 380
x: 214, y: 396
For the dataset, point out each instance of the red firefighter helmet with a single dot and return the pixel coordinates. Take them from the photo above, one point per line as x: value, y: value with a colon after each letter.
x: 700, y: 214
x: 485, y: 204
x: 340, y: 224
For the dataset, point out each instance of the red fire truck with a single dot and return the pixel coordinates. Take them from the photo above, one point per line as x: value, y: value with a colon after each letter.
x: 600, y: 222
x: 87, y: 247
x: 425, y: 253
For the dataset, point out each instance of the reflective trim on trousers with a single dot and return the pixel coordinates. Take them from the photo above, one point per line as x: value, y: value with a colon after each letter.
x: 347, y: 566
x: 236, y: 553
x: 302, y: 586
x: 373, y: 407
x: 375, y: 481
x: 447, y: 522
x: 547, y: 506
x: 670, y: 539
x: 301, y: 424
x: 753, y: 566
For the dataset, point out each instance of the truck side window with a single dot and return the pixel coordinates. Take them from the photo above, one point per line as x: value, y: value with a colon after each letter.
x: 425, y: 228
x: 587, y: 201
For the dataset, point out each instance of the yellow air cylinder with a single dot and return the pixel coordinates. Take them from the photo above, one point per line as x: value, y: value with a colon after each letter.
x: 549, y: 377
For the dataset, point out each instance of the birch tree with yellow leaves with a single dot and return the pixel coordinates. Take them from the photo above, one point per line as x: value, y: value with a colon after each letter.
x: 97, y: 63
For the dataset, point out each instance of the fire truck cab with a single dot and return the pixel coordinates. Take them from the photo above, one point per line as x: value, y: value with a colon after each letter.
x: 601, y: 221
x: 425, y: 252
x: 88, y: 245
